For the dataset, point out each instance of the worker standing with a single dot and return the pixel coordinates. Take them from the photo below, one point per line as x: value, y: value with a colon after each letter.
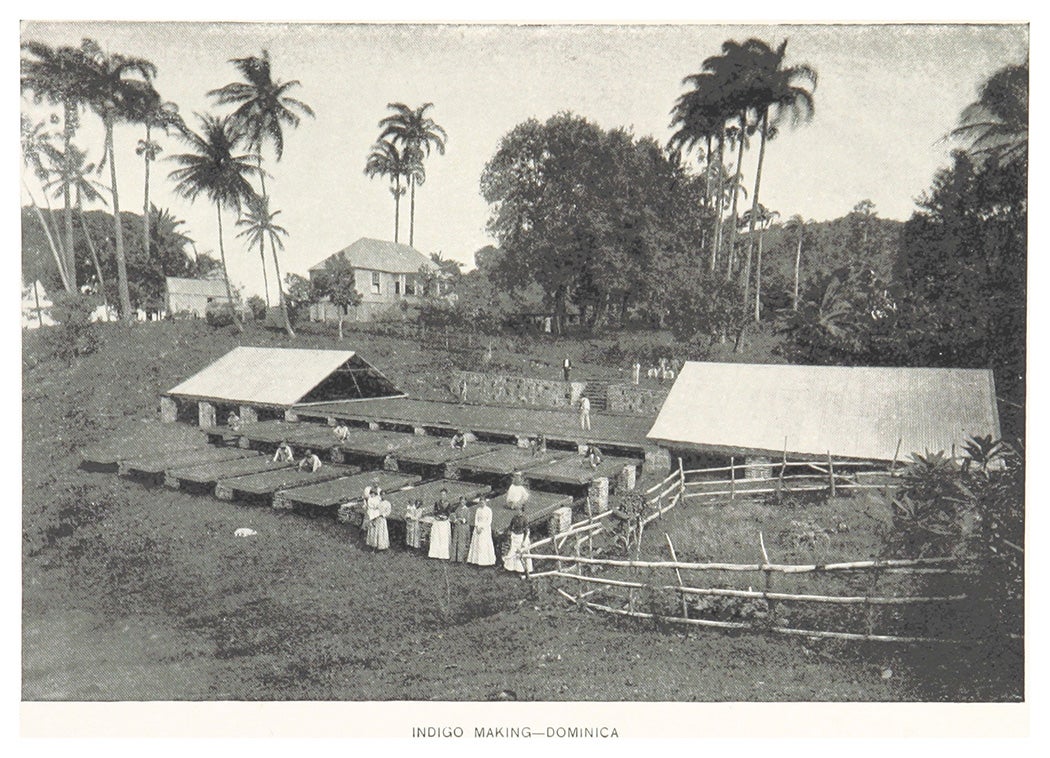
x: 566, y: 367
x: 585, y: 413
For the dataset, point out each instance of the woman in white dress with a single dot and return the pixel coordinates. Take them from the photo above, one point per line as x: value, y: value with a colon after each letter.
x: 482, y: 551
x: 440, y: 530
x: 519, y: 543
x: 378, y: 535
x: 518, y: 493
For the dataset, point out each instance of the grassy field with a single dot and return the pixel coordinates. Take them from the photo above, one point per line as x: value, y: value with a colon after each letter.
x: 137, y: 593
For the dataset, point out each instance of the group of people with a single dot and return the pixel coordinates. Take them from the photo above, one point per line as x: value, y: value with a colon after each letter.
x: 455, y: 535
x: 310, y: 462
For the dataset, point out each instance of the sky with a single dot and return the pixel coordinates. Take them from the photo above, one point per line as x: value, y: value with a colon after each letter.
x: 886, y: 97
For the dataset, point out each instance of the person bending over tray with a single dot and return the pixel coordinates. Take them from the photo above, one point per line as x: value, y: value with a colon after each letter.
x: 310, y: 462
x: 341, y: 432
x: 233, y: 421
x: 461, y: 531
x: 482, y: 551
x: 284, y: 453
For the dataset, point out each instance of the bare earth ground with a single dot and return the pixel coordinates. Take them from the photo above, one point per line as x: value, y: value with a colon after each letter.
x: 137, y: 593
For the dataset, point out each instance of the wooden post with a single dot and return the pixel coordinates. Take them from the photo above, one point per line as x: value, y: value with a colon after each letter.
x: 681, y: 480
x: 678, y: 573
x: 896, y: 454
x: 831, y: 474
x: 769, y: 578
x: 579, y: 571
x: 783, y: 467
x: 732, y: 477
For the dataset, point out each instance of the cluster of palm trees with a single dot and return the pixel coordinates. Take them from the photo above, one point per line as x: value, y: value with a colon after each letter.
x: 406, y: 138
x: 746, y: 91
x: 223, y: 154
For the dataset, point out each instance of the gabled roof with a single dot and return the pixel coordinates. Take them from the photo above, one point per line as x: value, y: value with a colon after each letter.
x: 198, y: 287
x: 853, y: 412
x: 286, y: 376
x: 380, y: 255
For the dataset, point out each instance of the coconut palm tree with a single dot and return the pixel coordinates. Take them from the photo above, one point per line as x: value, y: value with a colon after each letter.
x: 116, y: 87
x: 79, y: 179
x: 779, y: 93
x: 387, y: 161
x: 213, y: 169
x: 165, y: 116
x: 797, y: 226
x: 55, y: 75
x: 765, y: 218
x: 995, y: 126
x: 36, y: 149
x: 416, y: 133
x: 259, y: 226
x: 264, y: 109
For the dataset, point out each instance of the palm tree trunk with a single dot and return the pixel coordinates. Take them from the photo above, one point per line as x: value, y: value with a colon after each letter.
x: 262, y: 239
x: 754, y: 201
x: 798, y: 260
x: 397, y: 205
x: 145, y: 198
x: 122, y: 265
x: 94, y: 260
x: 709, y: 201
x: 68, y: 117
x: 55, y: 252
x: 412, y: 211
x: 716, y: 248
x: 276, y: 264
x: 36, y: 297
x: 758, y: 278
x: 736, y: 194
x: 226, y: 274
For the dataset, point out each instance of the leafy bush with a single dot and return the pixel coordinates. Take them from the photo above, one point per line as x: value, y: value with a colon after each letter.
x: 220, y: 313
x: 258, y: 306
x: 75, y: 335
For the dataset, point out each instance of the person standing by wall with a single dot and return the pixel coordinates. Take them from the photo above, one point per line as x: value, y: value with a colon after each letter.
x: 566, y: 367
x: 636, y: 373
x: 585, y: 413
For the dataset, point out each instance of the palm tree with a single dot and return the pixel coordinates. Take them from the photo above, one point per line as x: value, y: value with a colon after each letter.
x: 996, y: 125
x: 416, y: 133
x: 164, y: 116
x: 778, y: 94
x: 116, y: 87
x: 214, y: 170
x: 797, y: 225
x: 79, y: 179
x: 764, y: 220
x: 55, y: 75
x: 387, y: 161
x: 700, y: 115
x: 258, y: 227
x: 264, y: 108
x: 36, y: 148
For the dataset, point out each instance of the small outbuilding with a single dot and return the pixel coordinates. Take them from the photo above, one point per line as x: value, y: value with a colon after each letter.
x: 191, y: 296
x: 761, y: 412
x: 265, y: 383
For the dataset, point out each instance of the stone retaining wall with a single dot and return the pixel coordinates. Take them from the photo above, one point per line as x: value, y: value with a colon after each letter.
x: 501, y: 389
x: 626, y: 398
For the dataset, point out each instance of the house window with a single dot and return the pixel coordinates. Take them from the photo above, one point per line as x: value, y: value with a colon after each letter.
x: 410, y: 286
x: 375, y: 283
x: 397, y: 286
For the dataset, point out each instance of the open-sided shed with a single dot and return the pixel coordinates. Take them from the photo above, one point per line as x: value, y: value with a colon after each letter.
x: 273, y: 380
x: 762, y: 412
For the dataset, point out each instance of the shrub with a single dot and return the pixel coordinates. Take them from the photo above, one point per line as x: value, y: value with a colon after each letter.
x: 75, y: 335
x: 219, y: 313
x: 258, y: 306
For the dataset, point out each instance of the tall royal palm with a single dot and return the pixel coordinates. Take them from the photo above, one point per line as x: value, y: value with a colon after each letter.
x: 259, y: 225
x: 213, y: 169
x: 416, y: 133
x: 699, y: 116
x: 387, y: 161
x: 56, y: 75
x: 156, y: 114
x: 796, y: 225
x: 116, y: 86
x: 264, y: 109
x: 778, y: 94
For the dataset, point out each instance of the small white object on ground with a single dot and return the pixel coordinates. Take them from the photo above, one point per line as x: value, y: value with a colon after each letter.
x: 245, y: 532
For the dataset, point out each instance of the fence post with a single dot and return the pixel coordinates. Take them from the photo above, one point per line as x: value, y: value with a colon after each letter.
x: 783, y: 467
x: 771, y: 604
x: 681, y: 482
x: 732, y: 477
x: 831, y: 474
x: 678, y: 573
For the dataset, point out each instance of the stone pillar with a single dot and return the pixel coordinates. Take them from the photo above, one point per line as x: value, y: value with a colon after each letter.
x: 758, y: 467
x: 249, y: 415
x: 523, y: 442
x: 629, y: 476
x: 576, y: 390
x: 657, y: 461
x: 390, y: 463
x: 373, y: 426
x: 419, y: 431
x: 205, y: 414
x: 561, y: 520
x: 290, y: 415
x: 598, y: 495
x: 169, y: 410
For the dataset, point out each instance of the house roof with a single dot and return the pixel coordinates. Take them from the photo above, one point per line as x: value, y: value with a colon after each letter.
x: 380, y: 255
x: 852, y: 412
x: 196, y: 287
x: 284, y: 377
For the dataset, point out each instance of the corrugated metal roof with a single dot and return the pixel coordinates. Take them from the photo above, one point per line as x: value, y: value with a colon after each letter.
x: 198, y: 287
x: 380, y: 255
x: 263, y: 375
x: 854, y: 412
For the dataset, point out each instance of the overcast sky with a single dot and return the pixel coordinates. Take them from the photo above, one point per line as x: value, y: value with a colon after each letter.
x: 886, y: 97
